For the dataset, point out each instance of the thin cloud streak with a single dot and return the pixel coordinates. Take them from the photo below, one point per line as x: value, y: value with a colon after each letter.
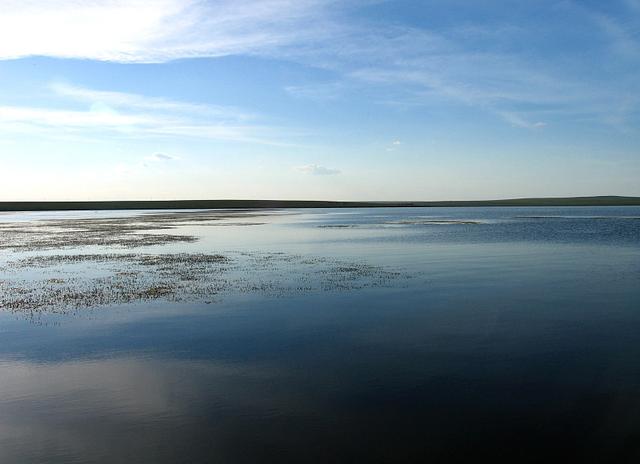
x: 161, y: 157
x: 317, y: 170
x: 518, y: 121
x: 132, y: 125
x: 317, y: 92
x: 139, y: 102
x: 129, y: 115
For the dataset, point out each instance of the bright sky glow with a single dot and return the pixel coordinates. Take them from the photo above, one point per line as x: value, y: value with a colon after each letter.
x: 318, y: 99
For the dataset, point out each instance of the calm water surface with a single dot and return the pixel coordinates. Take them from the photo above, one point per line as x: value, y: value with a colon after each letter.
x: 513, y: 335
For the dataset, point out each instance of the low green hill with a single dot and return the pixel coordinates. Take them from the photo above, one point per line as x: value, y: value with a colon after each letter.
x: 230, y: 204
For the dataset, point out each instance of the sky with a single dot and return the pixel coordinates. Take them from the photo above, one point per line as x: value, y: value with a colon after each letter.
x: 318, y: 99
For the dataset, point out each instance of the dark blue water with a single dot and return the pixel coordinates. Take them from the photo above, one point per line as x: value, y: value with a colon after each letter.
x: 513, y: 335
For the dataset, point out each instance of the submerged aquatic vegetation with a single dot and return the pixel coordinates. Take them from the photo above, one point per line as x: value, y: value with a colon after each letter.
x: 432, y: 222
x: 70, y: 280
x: 125, y: 232
x: 93, y: 280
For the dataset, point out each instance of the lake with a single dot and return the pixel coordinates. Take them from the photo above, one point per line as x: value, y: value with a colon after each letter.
x: 320, y: 335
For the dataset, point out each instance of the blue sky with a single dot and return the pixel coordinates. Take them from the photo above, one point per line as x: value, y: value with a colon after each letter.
x: 318, y: 99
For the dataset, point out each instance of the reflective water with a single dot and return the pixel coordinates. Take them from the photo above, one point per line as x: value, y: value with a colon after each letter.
x: 513, y: 334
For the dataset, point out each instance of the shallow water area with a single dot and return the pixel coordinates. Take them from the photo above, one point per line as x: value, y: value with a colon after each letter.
x: 320, y: 335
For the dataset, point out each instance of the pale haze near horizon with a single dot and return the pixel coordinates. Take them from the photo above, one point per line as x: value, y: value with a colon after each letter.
x: 315, y: 99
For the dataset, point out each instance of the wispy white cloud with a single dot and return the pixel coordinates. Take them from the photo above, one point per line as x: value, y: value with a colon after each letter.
x: 319, y: 92
x: 622, y: 40
x: 161, y: 157
x: 106, y: 121
x: 153, y: 30
x: 317, y: 170
x: 517, y: 120
x: 96, y: 117
x: 131, y: 101
x: 394, y: 145
x: 503, y: 84
x: 107, y: 113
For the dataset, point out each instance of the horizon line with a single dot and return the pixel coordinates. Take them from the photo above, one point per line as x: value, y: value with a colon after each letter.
x: 75, y: 205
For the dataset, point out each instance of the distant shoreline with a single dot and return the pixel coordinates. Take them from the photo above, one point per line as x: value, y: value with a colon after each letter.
x: 270, y: 204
